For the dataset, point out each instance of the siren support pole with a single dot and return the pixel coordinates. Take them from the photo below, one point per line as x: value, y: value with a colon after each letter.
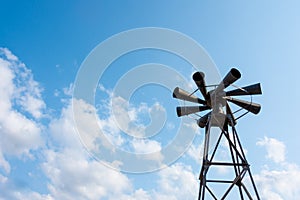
x: 238, y: 162
x: 205, y: 162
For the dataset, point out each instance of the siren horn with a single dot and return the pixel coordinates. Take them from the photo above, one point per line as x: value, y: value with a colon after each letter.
x: 248, y: 90
x: 184, y: 95
x: 250, y: 106
x: 198, y: 77
x: 230, y: 78
x: 202, y: 121
x: 186, y: 110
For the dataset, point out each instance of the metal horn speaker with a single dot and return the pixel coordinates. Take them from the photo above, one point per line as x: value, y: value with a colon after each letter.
x: 186, y: 110
x: 230, y: 78
x: 184, y: 95
x: 198, y: 77
x: 250, y: 106
x: 248, y: 90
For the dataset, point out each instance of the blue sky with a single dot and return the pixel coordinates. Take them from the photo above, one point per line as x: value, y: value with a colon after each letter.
x: 43, y: 47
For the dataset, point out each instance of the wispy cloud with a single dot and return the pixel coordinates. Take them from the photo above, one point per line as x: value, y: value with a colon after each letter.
x: 20, y: 100
x: 21, y: 106
x: 280, y: 182
x: 8, y: 54
x: 71, y: 173
x: 275, y: 149
x: 176, y: 182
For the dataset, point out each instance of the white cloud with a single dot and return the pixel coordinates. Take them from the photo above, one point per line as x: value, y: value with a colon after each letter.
x: 3, y: 179
x: 69, y: 165
x: 100, y: 135
x: 67, y: 169
x: 176, y: 182
x: 32, y: 104
x: 63, y: 130
x: 70, y: 172
x: 18, y: 88
x: 275, y: 149
x: 69, y: 90
x: 280, y: 183
x: 93, y: 130
x: 26, y: 91
x: 4, y: 164
x: 8, y: 192
x: 6, y: 85
x: 20, y: 98
x: 8, y: 54
x: 145, y: 146
x: 147, y: 149
x: 196, y: 153
x: 19, y: 134
x: 21, y: 105
x: 125, y: 115
x: 73, y: 175
x: 137, y: 195
x: 195, y: 150
x: 193, y: 126
x: 131, y: 118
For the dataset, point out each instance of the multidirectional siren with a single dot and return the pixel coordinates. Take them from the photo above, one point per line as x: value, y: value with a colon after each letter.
x: 220, y: 98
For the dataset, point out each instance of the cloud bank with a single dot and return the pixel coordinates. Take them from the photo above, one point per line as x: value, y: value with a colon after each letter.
x: 71, y: 173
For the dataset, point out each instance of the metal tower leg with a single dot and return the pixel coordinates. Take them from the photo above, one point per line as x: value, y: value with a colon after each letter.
x: 238, y: 162
x: 205, y: 165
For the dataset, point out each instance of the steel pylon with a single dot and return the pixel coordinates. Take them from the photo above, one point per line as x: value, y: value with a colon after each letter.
x: 237, y: 161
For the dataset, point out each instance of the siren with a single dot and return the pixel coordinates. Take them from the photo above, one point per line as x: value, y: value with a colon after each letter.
x: 202, y: 121
x: 250, y: 106
x: 232, y: 76
x: 186, y: 110
x: 198, y: 77
x: 248, y: 90
x: 216, y: 99
x: 184, y: 95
